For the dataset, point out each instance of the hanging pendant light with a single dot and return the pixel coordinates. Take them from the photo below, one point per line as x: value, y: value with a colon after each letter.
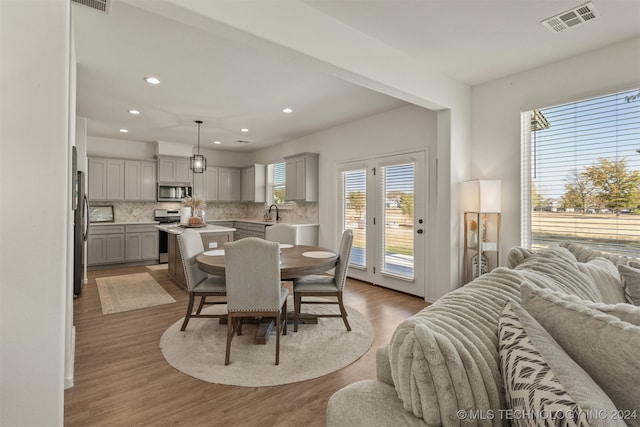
x: 198, y: 161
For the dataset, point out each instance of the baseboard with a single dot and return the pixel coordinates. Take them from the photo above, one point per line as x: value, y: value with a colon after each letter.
x: 70, y: 364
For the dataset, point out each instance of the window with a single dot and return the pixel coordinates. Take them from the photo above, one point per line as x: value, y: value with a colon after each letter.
x: 581, y: 174
x: 276, y: 184
x: 353, y: 189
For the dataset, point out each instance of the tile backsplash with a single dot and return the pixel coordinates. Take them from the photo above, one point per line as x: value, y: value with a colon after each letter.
x: 300, y: 213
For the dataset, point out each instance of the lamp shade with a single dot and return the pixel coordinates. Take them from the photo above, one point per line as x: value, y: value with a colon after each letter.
x: 482, y: 195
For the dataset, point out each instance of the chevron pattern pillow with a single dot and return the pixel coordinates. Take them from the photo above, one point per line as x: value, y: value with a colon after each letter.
x: 543, y: 385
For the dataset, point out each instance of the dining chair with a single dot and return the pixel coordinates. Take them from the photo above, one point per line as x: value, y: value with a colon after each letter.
x: 325, y: 286
x: 199, y: 283
x: 252, y: 271
x: 281, y: 233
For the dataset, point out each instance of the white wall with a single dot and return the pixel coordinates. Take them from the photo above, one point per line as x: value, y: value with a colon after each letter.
x: 496, y: 108
x: 35, y: 194
x: 409, y: 128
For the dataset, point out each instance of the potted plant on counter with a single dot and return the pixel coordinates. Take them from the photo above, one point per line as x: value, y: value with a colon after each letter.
x: 197, y: 212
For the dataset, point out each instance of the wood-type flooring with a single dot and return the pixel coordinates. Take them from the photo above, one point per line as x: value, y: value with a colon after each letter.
x: 122, y: 379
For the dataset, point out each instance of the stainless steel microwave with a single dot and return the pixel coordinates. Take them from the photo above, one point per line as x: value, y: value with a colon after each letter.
x: 173, y: 193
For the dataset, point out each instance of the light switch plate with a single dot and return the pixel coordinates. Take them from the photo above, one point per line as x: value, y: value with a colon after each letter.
x: 213, y: 245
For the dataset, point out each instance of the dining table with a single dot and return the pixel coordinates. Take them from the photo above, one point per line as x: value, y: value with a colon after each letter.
x: 295, y: 261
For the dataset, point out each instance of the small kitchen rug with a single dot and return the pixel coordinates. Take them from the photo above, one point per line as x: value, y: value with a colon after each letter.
x: 130, y: 292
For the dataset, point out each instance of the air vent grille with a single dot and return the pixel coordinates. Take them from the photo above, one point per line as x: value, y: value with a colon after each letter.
x: 99, y: 5
x: 240, y: 141
x: 571, y: 18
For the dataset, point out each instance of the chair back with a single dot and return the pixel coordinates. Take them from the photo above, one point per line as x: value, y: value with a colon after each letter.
x: 281, y: 233
x: 342, y: 266
x: 190, y: 245
x: 252, y: 270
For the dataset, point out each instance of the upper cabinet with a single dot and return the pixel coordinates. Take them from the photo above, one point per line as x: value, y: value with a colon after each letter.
x: 139, y: 180
x: 174, y: 170
x: 229, y: 184
x: 302, y: 177
x: 106, y: 179
x: 253, y: 184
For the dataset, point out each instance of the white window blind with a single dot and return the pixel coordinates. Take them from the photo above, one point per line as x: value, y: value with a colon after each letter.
x: 581, y: 174
x: 397, y: 192
x: 353, y: 190
x: 277, y: 176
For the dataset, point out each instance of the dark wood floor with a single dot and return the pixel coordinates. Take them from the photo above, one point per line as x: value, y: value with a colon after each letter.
x: 121, y: 377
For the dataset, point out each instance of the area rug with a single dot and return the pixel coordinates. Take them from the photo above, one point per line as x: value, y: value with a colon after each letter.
x: 130, y: 292
x: 313, y: 351
x: 157, y: 267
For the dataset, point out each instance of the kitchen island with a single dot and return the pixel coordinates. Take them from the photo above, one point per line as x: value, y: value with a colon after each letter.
x: 213, y: 237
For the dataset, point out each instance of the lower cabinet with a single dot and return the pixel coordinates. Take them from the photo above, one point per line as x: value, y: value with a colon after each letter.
x: 248, y: 229
x: 113, y: 244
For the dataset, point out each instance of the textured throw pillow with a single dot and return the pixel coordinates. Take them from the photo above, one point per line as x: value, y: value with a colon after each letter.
x: 604, y: 275
x: 606, y: 347
x: 544, y: 386
x: 624, y: 311
x: 516, y: 255
x: 631, y: 281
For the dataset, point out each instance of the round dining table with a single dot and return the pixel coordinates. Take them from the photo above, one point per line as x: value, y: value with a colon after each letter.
x: 295, y: 261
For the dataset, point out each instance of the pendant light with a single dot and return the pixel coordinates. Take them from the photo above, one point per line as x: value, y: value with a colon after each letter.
x: 198, y: 161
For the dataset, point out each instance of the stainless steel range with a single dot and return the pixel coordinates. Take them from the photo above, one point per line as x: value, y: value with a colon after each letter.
x: 165, y: 216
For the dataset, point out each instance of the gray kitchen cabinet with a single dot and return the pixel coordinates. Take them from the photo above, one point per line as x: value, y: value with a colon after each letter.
x: 106, y: 179
x: 174, y: 170
x: 248, y: 229
x: 139, y: 181
x: 141, y: 242
x: 301, y: 182
x: 105, y: 244
x: 211, y: 185
x: 254, y: 184
x: 229, y: 184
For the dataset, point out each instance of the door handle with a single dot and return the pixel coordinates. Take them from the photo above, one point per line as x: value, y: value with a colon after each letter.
x: 419, y: 231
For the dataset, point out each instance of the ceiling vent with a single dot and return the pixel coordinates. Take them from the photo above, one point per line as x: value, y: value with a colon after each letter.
x: 99, y: 5
x: 240, y: 141
x: 571, y: 18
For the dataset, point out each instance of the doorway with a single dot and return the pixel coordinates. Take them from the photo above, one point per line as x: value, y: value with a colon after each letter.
x: 382, y: 200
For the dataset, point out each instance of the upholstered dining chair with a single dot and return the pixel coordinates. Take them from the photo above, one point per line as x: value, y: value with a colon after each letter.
x: 252, y: 270
x: 199, y: 283
x: 281, y: 233
x: 325, y: 286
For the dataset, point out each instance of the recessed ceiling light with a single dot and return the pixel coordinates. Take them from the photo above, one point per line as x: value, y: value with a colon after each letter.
x: 152, y: 80
x: 124, y: 130
x: 287, y: 110
x: 217, y: 142
x: 244, y: 130
x: 134, y: 112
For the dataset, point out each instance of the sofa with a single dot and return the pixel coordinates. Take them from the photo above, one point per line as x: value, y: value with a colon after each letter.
x: 566, y: 313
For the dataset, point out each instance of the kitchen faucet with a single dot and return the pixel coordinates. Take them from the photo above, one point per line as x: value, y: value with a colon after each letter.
x: 277, y: 212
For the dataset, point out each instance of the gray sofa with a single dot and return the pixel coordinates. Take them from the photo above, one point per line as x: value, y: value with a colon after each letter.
x: 445, y: 358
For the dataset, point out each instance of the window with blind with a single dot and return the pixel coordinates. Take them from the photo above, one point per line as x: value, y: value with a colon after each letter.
x: 353, y: 188
x: 397, y: 192
x: 581, y: 174
x: 276, y: 183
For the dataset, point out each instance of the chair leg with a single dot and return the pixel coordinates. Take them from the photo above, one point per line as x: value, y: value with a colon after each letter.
x: 278, y: 339
x: 189, y: 309
x: 296, y: 310
x: 201, y: 305
x: 230, y: 332
x: 284, y: 313
x: 343, y: 312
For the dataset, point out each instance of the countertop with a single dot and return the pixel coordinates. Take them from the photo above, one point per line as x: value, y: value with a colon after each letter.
x: 258, y: 221
x: 176, y: 229
x: 91, y: 224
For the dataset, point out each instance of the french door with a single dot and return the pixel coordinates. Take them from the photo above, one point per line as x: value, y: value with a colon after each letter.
x: 383, y: 202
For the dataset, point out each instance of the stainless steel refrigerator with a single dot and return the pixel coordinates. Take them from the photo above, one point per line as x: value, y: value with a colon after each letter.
x: 80, y: 206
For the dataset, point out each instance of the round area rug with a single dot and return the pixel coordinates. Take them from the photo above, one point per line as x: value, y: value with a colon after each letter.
x: 313, y: 351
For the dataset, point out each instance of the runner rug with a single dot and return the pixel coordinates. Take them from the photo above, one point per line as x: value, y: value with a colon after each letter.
x: 130, y: 292
x: 313, y: 351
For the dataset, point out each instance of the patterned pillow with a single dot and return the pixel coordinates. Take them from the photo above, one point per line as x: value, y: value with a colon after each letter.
x: 631, y: 281
x: 543, y: 385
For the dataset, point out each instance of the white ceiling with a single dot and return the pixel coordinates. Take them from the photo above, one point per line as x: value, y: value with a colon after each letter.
x: 229, y: 85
